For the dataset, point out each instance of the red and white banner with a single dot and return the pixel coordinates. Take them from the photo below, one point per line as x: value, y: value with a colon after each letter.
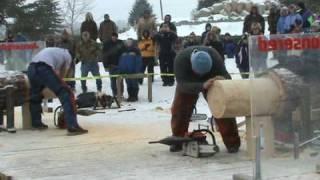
x: 17, y: 55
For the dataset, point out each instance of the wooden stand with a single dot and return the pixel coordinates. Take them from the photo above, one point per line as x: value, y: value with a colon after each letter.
x: 258, y: 99
x: 265, y: 125
x: 150, y: 88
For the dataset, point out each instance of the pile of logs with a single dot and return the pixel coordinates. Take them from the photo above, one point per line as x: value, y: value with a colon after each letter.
x: 19, y: 82
x: 237, y: 8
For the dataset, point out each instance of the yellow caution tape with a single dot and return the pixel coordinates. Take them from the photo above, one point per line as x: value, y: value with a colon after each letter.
x: 129, y: 75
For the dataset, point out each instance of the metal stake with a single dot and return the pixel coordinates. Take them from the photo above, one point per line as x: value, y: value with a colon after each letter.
x: 258, y: 154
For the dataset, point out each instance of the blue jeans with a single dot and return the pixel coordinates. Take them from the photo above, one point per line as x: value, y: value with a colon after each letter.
x: 40, y: 76
x: 113, y: 81
x: 92, y: 67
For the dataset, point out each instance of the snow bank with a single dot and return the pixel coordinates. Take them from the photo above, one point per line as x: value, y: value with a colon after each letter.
x: 234, y: 28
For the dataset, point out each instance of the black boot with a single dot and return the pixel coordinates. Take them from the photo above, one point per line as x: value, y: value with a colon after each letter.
x: 76, y: 131
x: 40, y: 126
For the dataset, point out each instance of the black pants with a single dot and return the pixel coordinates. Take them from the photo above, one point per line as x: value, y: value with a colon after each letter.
x: 166, y: 66
x: 132, y: 87
x: 147, y: 63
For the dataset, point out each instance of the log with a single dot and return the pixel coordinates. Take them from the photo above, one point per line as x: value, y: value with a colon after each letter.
x: 276, y: 92
x: 231, y: 98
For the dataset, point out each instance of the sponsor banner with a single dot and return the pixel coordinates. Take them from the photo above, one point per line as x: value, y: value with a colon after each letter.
x: 17, y: 55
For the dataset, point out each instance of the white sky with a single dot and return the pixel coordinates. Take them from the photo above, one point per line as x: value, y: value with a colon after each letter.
x: 119, y: 9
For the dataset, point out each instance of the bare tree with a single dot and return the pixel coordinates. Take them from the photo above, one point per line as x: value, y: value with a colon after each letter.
x: 74, y: 9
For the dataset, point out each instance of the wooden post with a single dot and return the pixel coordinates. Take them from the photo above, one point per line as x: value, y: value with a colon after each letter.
x: 26, y: 116
x: 119, y: 90
x: 250, y: 138
x: 150, y: 88
x: 305, y: 120
x: 252, y: 129
x: 10, y: 108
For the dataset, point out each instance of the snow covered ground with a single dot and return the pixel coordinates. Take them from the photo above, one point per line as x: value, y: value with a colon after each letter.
x: 117, y: 147
x: 162, y: 96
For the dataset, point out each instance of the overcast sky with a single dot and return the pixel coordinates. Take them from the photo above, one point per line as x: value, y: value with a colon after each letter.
x: 119, y: 9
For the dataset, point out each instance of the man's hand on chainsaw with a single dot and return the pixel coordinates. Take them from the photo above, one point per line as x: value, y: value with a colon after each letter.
x: 210, y: 82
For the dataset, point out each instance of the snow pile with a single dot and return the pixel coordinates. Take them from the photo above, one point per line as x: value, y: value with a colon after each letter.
x: 234, y: 8
x: 234, y: 28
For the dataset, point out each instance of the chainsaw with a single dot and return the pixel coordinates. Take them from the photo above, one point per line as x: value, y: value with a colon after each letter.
x: 193, y: 145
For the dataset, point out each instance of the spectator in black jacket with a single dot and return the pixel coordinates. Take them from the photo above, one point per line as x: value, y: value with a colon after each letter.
x: 191, y: 40
x: 90, y: 26
x: 213, y: 42
x: 253, y: 17
x: 165, y: 41
x: 242, y: 57
x: 112, y: 51
x: 167, y: 20
x: 204, y: 34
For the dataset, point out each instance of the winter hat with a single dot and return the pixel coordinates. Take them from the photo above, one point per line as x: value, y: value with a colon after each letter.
x: 201, y: 62
x: 316, y: 26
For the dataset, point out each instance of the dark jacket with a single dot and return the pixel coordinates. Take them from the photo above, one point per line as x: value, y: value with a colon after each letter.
x: 307, y: 17
x: 166, y: 41
x: 106, y: 29
x: 204, y: 34
x: 172, y: 27
x: 111, y: 53
x: 130, y: 61
x: 189, y: 43
x: 272, y: 21
x: 218, y: 46
x: 242, y: 57
x: 187, y: 80
x: 229, y: 48
x: 251, y: 18
x: 91, y: 27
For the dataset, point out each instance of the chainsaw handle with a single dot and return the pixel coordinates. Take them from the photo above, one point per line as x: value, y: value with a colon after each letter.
x: 214, y: 142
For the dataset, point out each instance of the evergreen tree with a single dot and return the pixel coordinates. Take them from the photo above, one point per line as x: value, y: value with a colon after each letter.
x: 10, y: 7
x: 137, y: 11
x: 206, y: 3
x: 39, y: 19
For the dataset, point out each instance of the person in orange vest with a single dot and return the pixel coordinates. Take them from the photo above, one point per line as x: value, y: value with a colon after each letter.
x: 147, y: 48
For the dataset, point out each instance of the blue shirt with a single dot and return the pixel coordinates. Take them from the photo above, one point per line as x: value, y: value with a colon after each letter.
x: 291, y: 21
